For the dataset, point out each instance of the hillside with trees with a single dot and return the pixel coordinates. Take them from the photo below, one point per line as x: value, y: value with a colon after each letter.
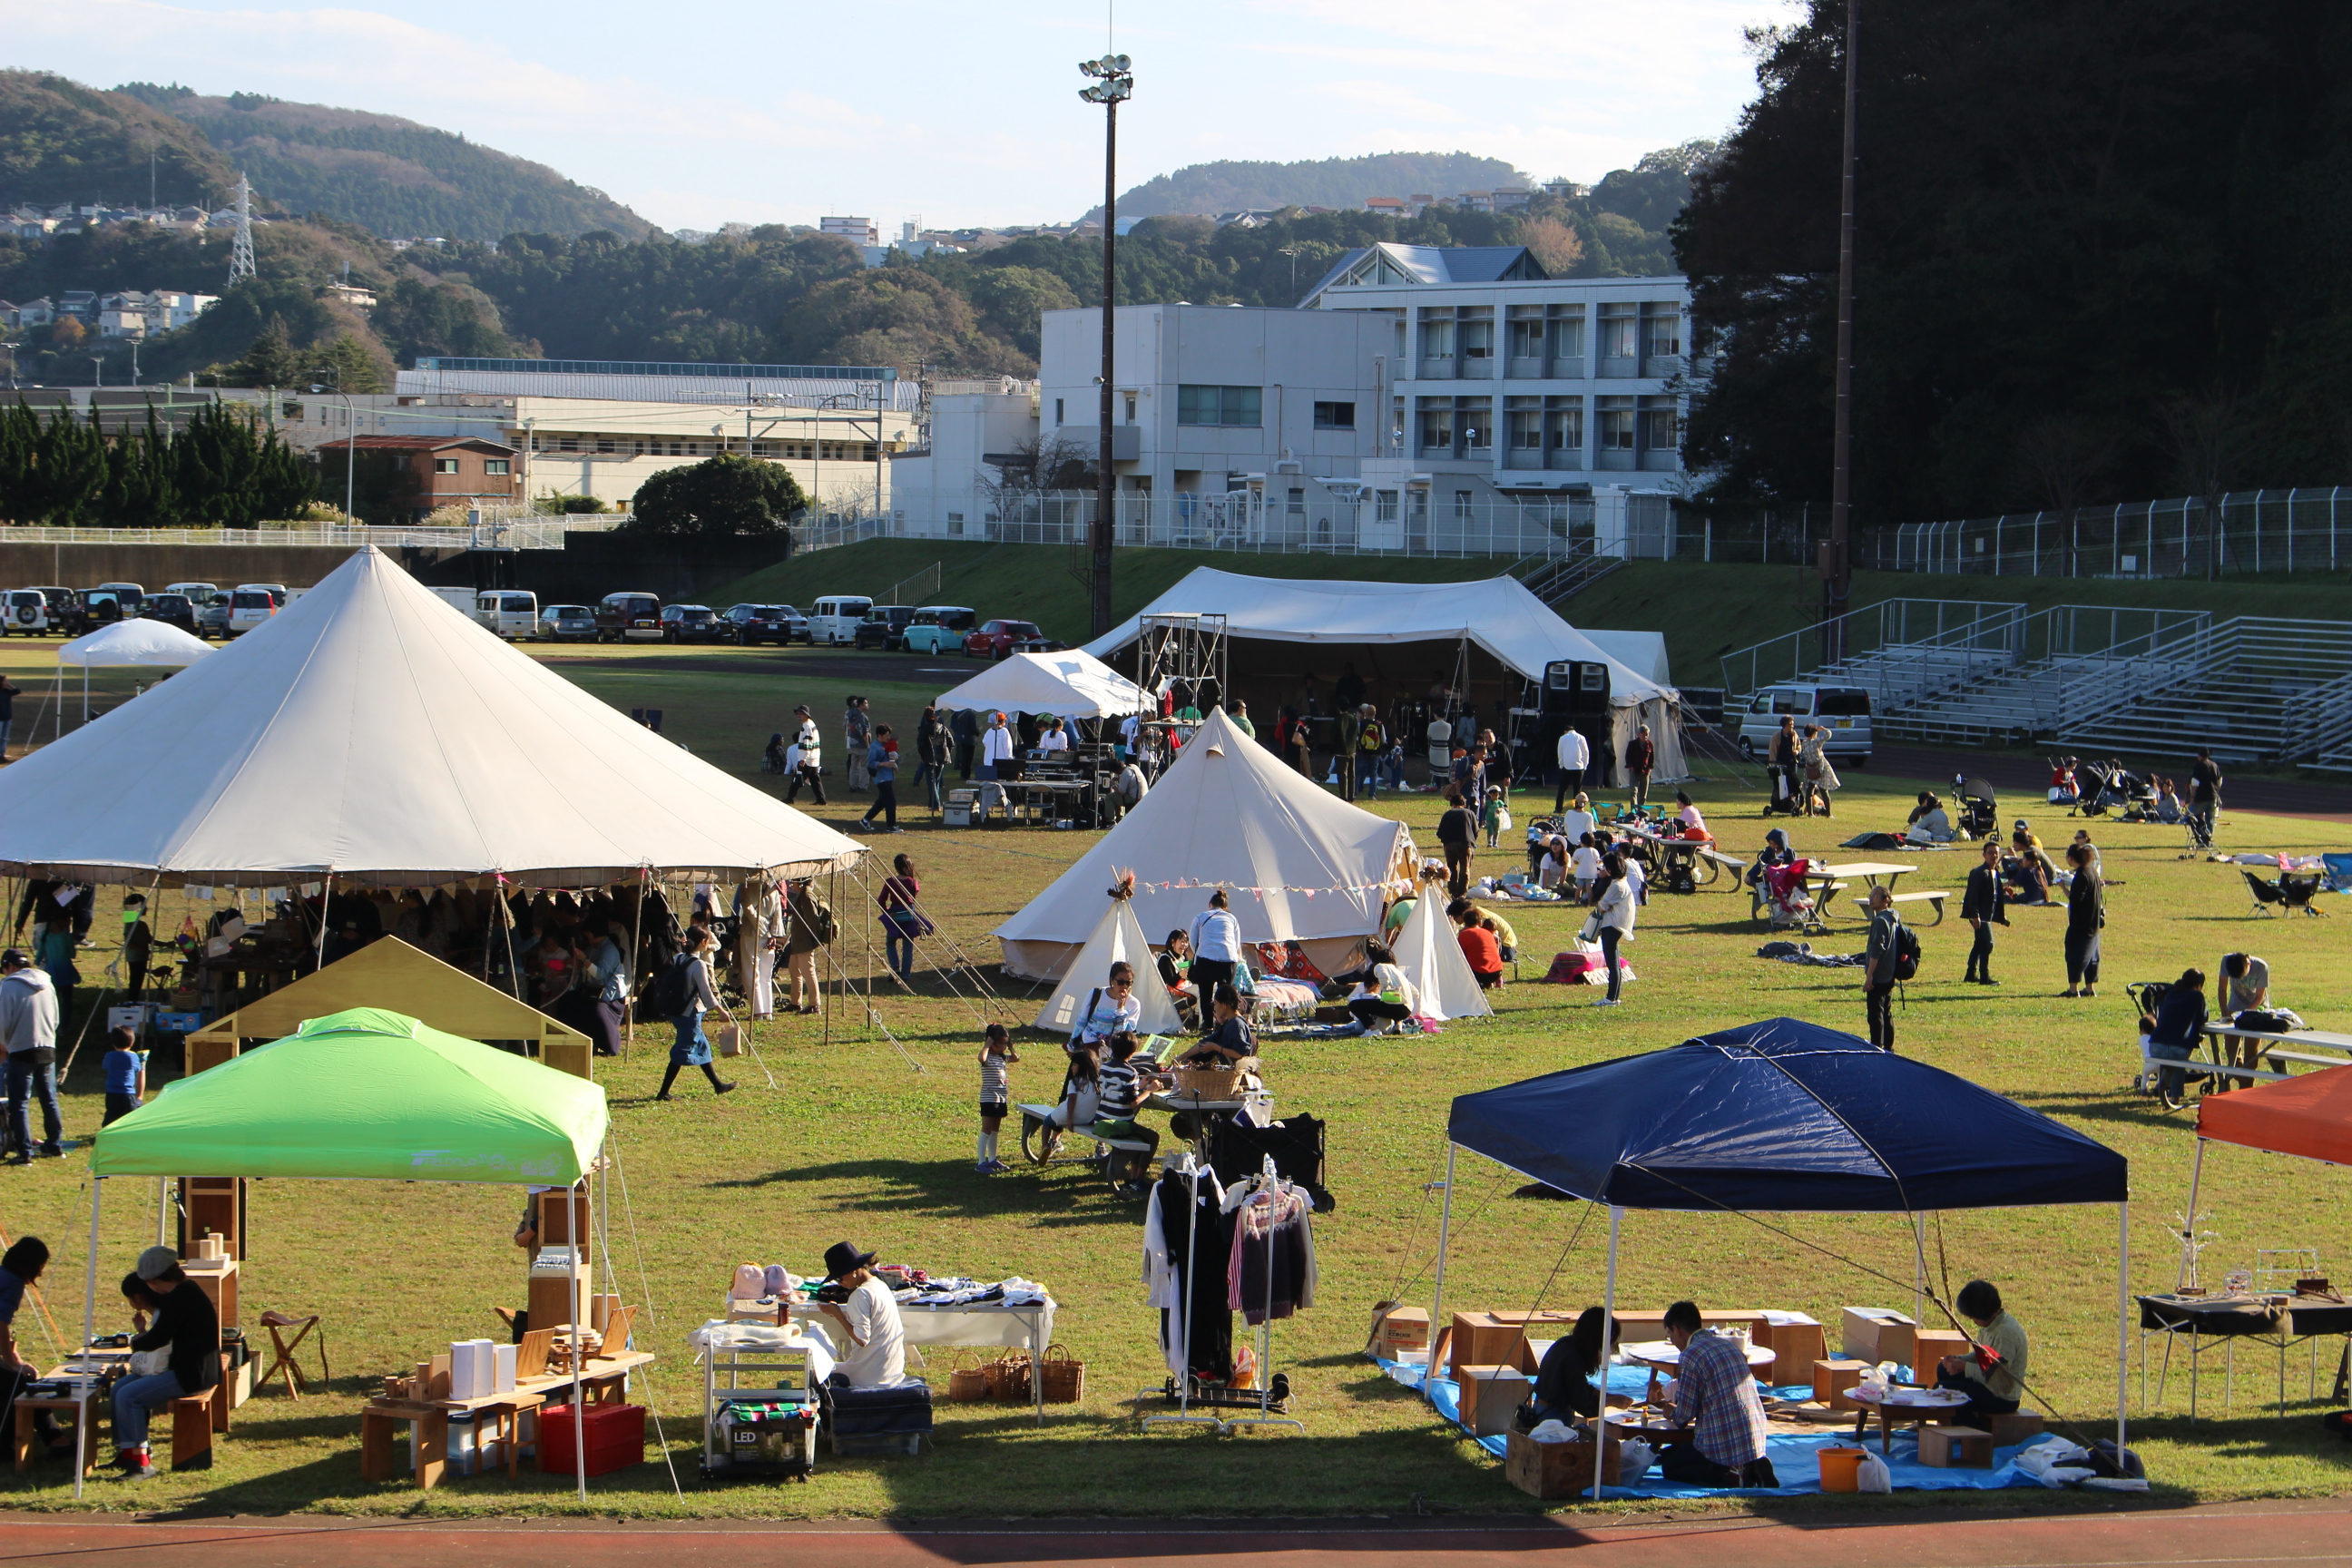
x: 61, y: 141
x: 1233, y: 184
x: 2101, y: 256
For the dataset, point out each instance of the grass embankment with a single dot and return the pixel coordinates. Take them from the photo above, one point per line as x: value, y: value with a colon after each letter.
x: 856, y: 1143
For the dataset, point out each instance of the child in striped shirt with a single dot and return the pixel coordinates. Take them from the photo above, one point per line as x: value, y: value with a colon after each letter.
x: 995, y: 1092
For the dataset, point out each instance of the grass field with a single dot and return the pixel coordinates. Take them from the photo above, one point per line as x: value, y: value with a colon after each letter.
x: 854, y: 1143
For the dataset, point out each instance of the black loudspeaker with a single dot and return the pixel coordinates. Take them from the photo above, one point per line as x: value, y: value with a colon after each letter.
x: 1577, y: 687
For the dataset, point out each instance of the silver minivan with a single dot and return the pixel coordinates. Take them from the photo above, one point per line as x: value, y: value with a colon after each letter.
x: 1844, y: 711
x: 251, y: 603
x: 510, y: 612
x: 832, y: 620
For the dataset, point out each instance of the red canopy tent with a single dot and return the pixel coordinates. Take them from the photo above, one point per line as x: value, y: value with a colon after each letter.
x: 2309, y: 1115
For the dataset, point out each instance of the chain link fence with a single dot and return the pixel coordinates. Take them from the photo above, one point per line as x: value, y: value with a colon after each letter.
x: 2242, y: 531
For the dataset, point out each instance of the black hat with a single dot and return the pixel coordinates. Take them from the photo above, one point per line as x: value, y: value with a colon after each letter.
x: 801, y: 708
x: 843, y: 1257
x: 15, y: 958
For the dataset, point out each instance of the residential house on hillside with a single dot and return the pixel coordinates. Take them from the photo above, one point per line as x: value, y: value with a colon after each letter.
x: 442, y: 470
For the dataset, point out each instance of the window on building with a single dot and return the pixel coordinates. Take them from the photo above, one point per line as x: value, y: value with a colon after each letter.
x: 1335, y: 417
x: 955, y: 525
x: 1476, y: 331
x: 1130, y: 400
x: 1384, y: 506
x: 1227, y: 406
x: 1616, y: 427
x: 496, y: 466
x: 1437, y: 426
x: 566, y: 444
x: 1620, y: 327
x: 1527, y: 430
x: 445, y: 465
x: 1564, y: 430
x: 1527, y: 332
x: 605, y: 447
x: 1437, y: 334
x: 1566, y: 329
x: 1665, y: 337
x: 1477, y: 422
x: 1294, y: 501
x: 1660, y: 430
x: 1059, y: 419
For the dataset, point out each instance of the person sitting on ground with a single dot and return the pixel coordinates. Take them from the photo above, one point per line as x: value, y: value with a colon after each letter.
x: 1478, y: 943
x: 2036, y: 872
x: 1715, y: 1396
x: 1382, y: 998
x: 1569, y: 1378
x: 1230, y: 1042
x: 2064, y: 791
x: 1506, y: 937
x: 1992, y: 1375
x: 2169, y: 809
x: 1553, y: 864
x: 1930, y: 823
x: 1694, y: 825
x: 1577, y: 819
x: 2173, y: 1032
x: 2082, y: 842
x: 772, y: 761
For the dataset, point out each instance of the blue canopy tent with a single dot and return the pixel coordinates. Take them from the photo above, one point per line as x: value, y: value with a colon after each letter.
x: 1790, y: 1117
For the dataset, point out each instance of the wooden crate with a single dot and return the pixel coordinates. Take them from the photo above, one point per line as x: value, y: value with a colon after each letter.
x: 1490, y: 1396
x: 1929, y: 1346
x: 1556, y: 1469
x: 1955, y: 1447
x: 1491, y: 1338
x: 1834, y: 1376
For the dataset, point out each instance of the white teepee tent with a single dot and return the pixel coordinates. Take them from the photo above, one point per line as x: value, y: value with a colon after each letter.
x: 1117, y: 937
x: 1300, y: 864
x: 1431, y: 957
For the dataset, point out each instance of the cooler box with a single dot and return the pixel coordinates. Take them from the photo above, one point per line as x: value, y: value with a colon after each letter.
x: 877, y: 1420
x: 616, y: 1438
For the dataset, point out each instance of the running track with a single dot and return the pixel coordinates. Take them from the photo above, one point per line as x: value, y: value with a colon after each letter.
x: 2316, y: 1532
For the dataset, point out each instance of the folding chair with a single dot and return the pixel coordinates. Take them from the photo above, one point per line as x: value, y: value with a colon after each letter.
x: 283, y: 1360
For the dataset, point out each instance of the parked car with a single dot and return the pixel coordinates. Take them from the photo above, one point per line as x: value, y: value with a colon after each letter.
x: 199, y: 594
x: 67, y: 616
x: 212, y: 617
x: 512, y: 612
x: 249, y: 605
x: 836, y: 619
x: 104, y: 606
x: 884, y: 626
x: 936, y: 628
x: 567, y: 623
x: 748, y: 624
x: 999, y: 639
x: 629, y: 617
x: 1842, y: 711
x: 690, y: 623
x: 172, y: 609
x: 127, y: 596
x: 31, y: 612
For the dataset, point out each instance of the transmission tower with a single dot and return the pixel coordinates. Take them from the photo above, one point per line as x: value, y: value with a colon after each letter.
x: 240, y: 256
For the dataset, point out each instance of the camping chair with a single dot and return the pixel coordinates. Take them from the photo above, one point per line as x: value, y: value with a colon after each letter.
x: 2267, y: 892
x: 2297, y: 892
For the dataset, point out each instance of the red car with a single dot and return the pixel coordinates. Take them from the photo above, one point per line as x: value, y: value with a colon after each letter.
x: 996, y: 639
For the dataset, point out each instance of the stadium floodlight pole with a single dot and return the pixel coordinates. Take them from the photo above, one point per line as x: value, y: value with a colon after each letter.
x: 1837, y: 569
x: 1114, y: 84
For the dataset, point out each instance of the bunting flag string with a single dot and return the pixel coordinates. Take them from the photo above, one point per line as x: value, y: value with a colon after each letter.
x: 1179, y: 883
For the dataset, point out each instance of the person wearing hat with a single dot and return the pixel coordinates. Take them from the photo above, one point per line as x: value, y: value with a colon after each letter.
x: 809, y: 768
x: 189, y: 1328
x: 876, y: 1355
x: 996, y: 750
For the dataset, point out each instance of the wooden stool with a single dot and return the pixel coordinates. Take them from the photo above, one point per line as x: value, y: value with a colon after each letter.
x: 506, y: 1412
x: 192, y: 1430
x: 282, y: 1361
x: 380, y: 1427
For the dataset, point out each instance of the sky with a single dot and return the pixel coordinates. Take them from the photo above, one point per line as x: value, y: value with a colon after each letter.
x: 704, y: 112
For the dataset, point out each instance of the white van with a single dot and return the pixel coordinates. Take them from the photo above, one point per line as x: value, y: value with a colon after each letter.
x: 199, y: 594
x: 510, y: 612
x: 251, y: 603
x: 833, y: 620
x: 1844, y: 711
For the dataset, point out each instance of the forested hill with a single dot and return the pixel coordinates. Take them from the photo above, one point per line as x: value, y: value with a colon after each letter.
x: 61, y: 141
x: 1231, y: 185
x: 386, y: 173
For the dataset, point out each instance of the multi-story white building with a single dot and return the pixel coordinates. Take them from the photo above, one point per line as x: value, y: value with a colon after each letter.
x: 856, y: 231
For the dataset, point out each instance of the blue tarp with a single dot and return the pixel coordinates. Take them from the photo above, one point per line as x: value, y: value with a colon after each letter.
x: 1787, y: 1116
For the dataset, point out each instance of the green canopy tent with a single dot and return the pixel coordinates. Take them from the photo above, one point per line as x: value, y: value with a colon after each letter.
x: 364, y: 1095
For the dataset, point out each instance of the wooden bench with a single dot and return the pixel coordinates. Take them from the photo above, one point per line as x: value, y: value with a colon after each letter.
x: 193, y: 1423
x: 1936, y: 899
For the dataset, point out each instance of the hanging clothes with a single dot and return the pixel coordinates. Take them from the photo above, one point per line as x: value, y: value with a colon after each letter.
x: 1270, y: 1271
x: 1176, y: 1269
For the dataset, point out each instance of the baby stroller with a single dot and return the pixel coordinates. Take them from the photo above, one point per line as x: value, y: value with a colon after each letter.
x: 1980, y: 812
x: 1786, y: 902
x: 2092, y: 781
x: 1784, y: 800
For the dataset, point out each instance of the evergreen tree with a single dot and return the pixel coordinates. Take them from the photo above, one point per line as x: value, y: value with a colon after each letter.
x: 727, y: 494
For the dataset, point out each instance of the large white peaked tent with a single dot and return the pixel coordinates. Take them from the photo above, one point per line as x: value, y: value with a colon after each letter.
x: 1073, y: 683
x: 1117, y: 939
x: 1298, y: 863
x: 373, y: 732
x: 1430, y: 955
x: 1497, y: 614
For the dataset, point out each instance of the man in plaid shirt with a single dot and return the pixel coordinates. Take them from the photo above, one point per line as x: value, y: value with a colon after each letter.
x: 1715, y: 1396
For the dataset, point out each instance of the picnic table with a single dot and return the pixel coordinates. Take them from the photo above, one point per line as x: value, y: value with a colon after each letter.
x: 2250, y: 1048
x: 1829, y: 880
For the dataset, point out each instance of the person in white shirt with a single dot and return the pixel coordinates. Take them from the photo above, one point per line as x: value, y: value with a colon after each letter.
x: 996, y: 749
x: 1216, y: 945
x: 1575, y: 756
x: 1615, y: 915
x: 876, y: 1355
x: 1586, y: 861
x: 1637, y: 876
x: 806, y: 758
x: 1112, y: 1008
x: 1552, y: 868
x: 1054, y: 738
x: 1577, y: 820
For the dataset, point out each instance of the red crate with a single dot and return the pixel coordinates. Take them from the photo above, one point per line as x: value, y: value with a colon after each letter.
x: 616, y: 1438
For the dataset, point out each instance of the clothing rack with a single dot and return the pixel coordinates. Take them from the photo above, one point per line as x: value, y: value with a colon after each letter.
x: 1190, y: 1169
x: 1267, y: 1180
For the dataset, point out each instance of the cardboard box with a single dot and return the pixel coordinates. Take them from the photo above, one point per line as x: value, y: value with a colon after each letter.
x: 1490, y: 1396
x: 1401, y: 1329
x: 1929, y: 1346
x: 1877, y: 1333
x: 1955, y: 1447
x: 1833, y: 1377
x: 1555, y: 1469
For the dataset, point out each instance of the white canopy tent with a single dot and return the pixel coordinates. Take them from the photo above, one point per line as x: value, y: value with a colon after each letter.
x: 1073, y: 683
x: 1430, y: 955
x: 1645, y: 652
x: 1117, y: 939
x: 1298, y: 863
x: 371, y: 731
x: 129, y: 645
x: 1496, y: 614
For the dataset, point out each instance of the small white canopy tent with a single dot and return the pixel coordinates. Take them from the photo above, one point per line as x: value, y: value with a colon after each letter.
x: 1498, y: 616
x: 1430, y: 956
x: 1643, y: 651
x: 373, y: 732
x: 1073, y: 683
x: 145, y: 644
x: 1117, y: 939
x: 1299, y: 864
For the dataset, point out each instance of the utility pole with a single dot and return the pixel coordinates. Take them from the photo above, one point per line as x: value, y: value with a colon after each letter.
x: 1837, y: 563
x: 1114, y: 84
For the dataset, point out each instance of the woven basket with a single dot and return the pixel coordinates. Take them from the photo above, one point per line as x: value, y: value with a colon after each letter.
x: 967, y: 1385
x: 1063, y: 1375
x: 1008, y: 1378
x: 1209, y: 1083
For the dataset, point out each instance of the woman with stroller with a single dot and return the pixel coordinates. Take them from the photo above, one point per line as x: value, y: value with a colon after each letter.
x: 2087, y: 913
x: 2173, y: 1032
x: 1817, y: 778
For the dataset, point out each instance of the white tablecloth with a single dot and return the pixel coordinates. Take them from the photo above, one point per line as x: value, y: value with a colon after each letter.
x: 980, y: 1324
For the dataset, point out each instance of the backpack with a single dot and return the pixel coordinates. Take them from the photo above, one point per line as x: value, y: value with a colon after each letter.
x: 821, y: 923
x: 668, y: 998
x: 1907, y: 952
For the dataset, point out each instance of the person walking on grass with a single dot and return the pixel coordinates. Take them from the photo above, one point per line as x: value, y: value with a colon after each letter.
x: 931, y: 748
x: 687, y: 989
x: 28, y: 1027
x: 2087, y: 916
x: 1641, y: 760
x: 1457, y: 832
x: 808, y: 758
x: 1879, y: 970
x: 1819, y: 779
x: 902, y: 922
x: 856, y: 732
x: 1984, y: 906
x: 882, y: 767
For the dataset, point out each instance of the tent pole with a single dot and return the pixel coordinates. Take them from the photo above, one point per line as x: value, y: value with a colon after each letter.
x: 1445, y: 1228
x: 89, y: 1285
x: 2124, y: 1316
x: 1918, y: 1268
x: 2188, y: 1221
x: 571, y: 1220
x: 162, y: 1206
x: 1608, y: 1321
